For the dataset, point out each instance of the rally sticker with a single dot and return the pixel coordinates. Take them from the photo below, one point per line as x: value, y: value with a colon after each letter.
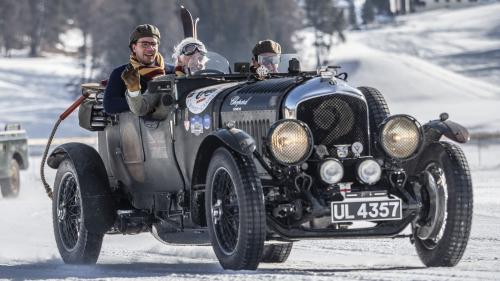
x: 196, y: 125
x: 357, y: 148
x: 207, y: 122
x: 198, y: 100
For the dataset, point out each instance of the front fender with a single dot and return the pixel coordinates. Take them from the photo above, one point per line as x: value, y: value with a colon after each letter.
x: 236, y: 139
x: 433, y: 131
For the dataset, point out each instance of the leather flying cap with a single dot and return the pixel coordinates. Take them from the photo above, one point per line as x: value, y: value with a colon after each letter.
x: 266, y: 46
x: 144, y: 30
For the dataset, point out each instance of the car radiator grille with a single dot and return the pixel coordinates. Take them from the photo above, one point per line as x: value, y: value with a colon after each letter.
x: 256, y: 128
x: 336, y: 120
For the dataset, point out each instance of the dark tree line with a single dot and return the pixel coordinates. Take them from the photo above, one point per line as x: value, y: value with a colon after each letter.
x: 229, y: 27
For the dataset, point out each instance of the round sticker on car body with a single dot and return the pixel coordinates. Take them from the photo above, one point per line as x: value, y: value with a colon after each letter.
x: 198, y: 100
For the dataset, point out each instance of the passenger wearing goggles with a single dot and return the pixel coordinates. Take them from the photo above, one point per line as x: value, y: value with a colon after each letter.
x: 266, y: 53
x: 190, y: 56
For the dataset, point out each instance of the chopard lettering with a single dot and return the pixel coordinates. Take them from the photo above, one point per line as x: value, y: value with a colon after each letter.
x: 237, y: 101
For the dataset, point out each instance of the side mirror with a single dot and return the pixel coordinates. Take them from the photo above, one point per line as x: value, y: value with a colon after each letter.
x: 242, y: 67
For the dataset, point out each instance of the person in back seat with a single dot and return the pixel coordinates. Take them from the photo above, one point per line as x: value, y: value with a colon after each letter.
x: 127, y: 83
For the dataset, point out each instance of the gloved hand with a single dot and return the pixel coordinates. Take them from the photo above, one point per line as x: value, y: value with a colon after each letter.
x: 130, y: 77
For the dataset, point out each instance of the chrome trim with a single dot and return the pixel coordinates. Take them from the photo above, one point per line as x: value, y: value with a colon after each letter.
x: 314, y: 88
x: 318, y: 87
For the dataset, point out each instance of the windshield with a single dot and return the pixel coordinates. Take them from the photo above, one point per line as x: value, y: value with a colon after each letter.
x: 217, y: 62
x: 285, y: 60
x: 205, y: 63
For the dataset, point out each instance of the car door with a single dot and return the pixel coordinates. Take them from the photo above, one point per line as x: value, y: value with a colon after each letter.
x: 160, y: 167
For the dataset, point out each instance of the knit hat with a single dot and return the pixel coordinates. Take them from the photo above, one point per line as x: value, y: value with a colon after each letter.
x: 144, y: 30
x: 266, y: 46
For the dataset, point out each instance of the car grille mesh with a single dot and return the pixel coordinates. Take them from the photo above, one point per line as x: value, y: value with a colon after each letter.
x: 256, y: 128
x: 336, y: 120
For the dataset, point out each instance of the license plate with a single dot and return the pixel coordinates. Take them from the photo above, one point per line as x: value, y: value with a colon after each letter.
x: 378, y: 209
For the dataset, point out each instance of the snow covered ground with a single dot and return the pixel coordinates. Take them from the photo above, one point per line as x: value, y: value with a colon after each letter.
x: 422, y: 83
x: 35, y: 91
x: 28, y: 249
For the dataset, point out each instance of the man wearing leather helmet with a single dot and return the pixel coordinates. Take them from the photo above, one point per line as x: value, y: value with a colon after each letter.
x: 266, y: 53
x: 127, y: 83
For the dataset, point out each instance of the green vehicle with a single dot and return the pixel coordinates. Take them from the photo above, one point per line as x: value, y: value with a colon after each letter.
x: 13, y: 157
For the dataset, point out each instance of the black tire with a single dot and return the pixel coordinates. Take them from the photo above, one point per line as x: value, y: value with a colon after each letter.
x: 378, y: 110
x: 441, y: 236
x: 276, y: 253
x: 11, y: 185
x: 234, y: 207
x: 75, y: 243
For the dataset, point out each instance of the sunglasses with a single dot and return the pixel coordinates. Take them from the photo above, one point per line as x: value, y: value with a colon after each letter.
x: 192, y: 48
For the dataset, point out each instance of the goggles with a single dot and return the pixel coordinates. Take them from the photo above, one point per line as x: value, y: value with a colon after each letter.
x: 268, y: 59
x: 192, y: 48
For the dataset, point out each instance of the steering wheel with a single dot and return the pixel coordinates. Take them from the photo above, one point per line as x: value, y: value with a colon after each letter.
x: 208, y: 72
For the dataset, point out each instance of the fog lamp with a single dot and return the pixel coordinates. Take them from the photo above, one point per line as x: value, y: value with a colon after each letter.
x: 331, y: 171
x: 369, y: 171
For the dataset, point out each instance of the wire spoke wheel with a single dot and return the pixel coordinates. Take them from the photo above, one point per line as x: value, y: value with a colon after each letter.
x: 234, y: 208
x: 70, y: 217
x: 225, y: 211
x: 69, y: 211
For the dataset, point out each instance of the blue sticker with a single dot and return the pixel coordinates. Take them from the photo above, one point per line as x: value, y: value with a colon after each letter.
x: 207, y: 121
x: 196, y: 125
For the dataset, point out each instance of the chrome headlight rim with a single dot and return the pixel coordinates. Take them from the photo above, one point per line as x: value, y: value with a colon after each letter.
x: 310, y: 142
x: 358, y: 173
x: 420, y: 136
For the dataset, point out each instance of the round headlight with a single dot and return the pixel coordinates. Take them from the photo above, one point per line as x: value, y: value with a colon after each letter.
x: 401, y: 136
x: 331, y: 171
x: 290, y: 141
x: 369, y: 171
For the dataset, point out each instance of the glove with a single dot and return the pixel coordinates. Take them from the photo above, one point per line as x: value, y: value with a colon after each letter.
x: 130, y: 77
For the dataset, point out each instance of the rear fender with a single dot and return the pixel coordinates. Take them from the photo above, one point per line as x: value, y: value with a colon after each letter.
x: 97, y: 199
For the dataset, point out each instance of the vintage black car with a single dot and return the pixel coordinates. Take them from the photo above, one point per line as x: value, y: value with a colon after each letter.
x: 250, y: 164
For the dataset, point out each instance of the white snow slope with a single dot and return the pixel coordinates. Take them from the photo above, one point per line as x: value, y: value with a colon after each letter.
x: 418, y: 85
x: 429, y: 63
x: 34, y: 92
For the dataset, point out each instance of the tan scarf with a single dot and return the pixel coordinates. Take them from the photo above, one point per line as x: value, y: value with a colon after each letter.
x: 149, y: 72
